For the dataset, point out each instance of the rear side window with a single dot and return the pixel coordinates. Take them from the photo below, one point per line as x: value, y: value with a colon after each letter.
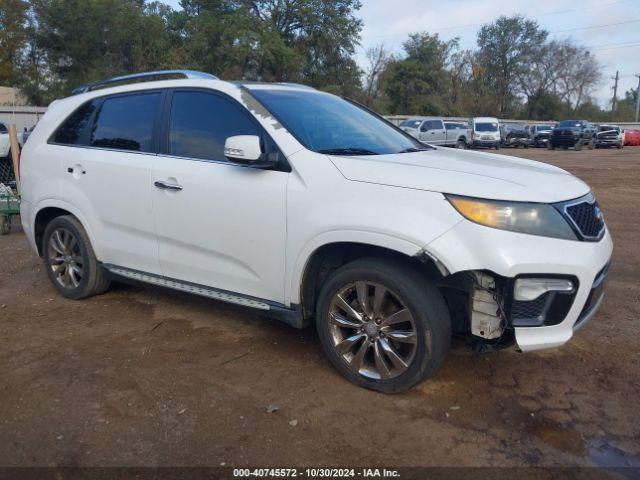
x: 70, y: 132
x: 3, y: 129
x: 126, y: 123
x: 200, y: 123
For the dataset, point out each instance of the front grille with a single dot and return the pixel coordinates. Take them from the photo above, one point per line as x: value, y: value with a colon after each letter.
x: 587, y: 217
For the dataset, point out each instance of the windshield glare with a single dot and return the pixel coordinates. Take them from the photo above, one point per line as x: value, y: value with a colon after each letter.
x: 486, y: 127
x: 324, y: 122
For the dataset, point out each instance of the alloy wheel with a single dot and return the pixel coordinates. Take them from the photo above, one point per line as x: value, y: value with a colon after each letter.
x: 65, y: 258
x: 372, y: 330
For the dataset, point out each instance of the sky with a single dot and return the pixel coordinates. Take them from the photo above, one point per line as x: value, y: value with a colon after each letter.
x: 610, y: 28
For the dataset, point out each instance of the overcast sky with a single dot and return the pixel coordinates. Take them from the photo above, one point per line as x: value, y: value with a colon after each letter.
x: 611, y: 28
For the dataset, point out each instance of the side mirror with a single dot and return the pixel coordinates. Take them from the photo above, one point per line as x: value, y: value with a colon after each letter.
x: 246, y: 150
x: 243, y: 148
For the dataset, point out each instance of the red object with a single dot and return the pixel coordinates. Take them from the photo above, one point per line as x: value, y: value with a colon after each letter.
x: 632, y: 138
x: 472, y: 134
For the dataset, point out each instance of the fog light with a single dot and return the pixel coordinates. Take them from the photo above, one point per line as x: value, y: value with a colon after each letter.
x: 527, y: 289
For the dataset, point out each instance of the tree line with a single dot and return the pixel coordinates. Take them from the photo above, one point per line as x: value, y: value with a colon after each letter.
x: 49, y: 47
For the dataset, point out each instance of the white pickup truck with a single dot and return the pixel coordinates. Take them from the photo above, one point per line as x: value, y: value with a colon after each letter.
x: 437, y: 131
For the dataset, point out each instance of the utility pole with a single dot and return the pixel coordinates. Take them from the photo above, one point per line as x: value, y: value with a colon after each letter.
x: 638, y: 98
x: 615, y: 92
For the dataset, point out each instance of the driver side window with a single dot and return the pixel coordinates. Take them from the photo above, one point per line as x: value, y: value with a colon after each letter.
x: 200, y: 122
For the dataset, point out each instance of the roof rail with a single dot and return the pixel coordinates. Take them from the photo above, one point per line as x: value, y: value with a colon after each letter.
x: 149, y: 76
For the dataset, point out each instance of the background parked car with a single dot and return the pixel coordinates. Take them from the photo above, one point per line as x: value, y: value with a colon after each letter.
x: 572, y: 133
x: 485, y: 132
x: 609, y: 136
x: 514, y: 135
x: 539, y: 134
x: 435, y: 131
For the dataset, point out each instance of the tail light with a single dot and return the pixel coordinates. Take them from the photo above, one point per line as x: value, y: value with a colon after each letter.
x: 473, y: 134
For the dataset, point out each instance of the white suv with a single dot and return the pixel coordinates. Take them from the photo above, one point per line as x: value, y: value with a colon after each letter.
x: 310, y: 208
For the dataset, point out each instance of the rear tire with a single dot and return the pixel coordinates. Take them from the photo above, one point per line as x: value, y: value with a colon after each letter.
x: 578, y: 146
x: 69, y: 259
x: 550, y: 146
x: 461, y: 144
x: 591, y: 145
x: 360, y: 343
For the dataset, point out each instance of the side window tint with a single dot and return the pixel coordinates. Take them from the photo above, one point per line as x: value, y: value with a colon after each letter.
x: 71, y: 129
x: 201, y: 122
x: 126, y: 123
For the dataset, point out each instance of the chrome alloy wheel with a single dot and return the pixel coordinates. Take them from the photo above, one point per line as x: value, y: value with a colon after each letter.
x: 65, y: 258
x: 372, y: 330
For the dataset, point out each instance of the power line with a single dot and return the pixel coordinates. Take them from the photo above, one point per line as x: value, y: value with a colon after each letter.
x: 596, y: 26
x: 454, y: 27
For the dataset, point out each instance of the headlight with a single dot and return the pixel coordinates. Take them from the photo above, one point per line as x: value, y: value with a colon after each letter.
x: 531, y: 218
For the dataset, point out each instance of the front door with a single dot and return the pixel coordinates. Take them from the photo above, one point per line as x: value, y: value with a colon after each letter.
x: 221, y: 225
x: 433, y: 132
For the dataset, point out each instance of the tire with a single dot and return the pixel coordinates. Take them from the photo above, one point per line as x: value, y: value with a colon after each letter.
x: 619, y: 146
x: 407, y: 291
x: 89, y: 279
x: 578, y: 146
x: 591, y: 145
x: 550, y: 146
x: 461, y: 144
x: 497, y: 147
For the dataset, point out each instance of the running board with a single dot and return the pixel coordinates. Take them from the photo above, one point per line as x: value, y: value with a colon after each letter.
x: 188, y: 287
x: 290, y: 315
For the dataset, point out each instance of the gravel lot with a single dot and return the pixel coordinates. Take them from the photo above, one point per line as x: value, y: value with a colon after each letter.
x: 148, y: 377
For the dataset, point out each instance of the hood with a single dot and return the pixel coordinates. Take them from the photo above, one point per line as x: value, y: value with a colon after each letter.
x: 474, y: 174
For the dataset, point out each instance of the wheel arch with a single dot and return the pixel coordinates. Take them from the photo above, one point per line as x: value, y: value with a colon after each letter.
x: 47, y: 211
x: 314, y: 267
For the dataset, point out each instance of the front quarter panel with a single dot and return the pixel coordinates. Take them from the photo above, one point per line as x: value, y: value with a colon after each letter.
x: 323, y: 207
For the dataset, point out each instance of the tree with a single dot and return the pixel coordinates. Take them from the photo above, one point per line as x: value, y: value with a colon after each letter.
x: 87, y: 40
x: 578, y: 73
x: 378, y: 57
x: 419, y: 82
x: 13, y: 37
x: 506, y: 47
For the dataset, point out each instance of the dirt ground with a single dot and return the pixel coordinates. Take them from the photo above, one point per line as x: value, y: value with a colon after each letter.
x: 147, y: 377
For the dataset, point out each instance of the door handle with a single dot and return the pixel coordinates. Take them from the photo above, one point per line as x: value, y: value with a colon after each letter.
x: 167, y: 186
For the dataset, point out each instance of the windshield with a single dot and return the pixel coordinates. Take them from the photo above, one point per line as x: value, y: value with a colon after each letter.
x: 325, y: 123
x: 411, y: 123
x: 486, y: 127
x: 608, y: 128
x: 569, y: 124
x: 514, y: 126
x: 544, y: 127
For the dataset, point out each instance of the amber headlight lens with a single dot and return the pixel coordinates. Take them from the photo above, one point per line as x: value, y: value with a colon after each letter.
x: 532, y: 218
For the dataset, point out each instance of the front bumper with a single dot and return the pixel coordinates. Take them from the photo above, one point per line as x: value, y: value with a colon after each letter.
x: 511, y: 255
x: 486, y: 143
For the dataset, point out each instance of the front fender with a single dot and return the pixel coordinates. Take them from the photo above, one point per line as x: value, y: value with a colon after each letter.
x: 376, y: 239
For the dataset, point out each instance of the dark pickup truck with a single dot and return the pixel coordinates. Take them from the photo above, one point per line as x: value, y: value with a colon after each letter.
x: 572, y: 133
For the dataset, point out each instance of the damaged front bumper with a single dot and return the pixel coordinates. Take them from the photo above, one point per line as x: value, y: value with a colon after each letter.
x: 534, y: 291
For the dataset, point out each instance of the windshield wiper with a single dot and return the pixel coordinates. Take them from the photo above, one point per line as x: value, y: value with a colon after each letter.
x: 347, y: 151
x: 414, y: 149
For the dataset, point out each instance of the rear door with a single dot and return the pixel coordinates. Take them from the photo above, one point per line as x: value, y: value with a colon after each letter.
x: 107, y: 174
x: 224, y: 226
